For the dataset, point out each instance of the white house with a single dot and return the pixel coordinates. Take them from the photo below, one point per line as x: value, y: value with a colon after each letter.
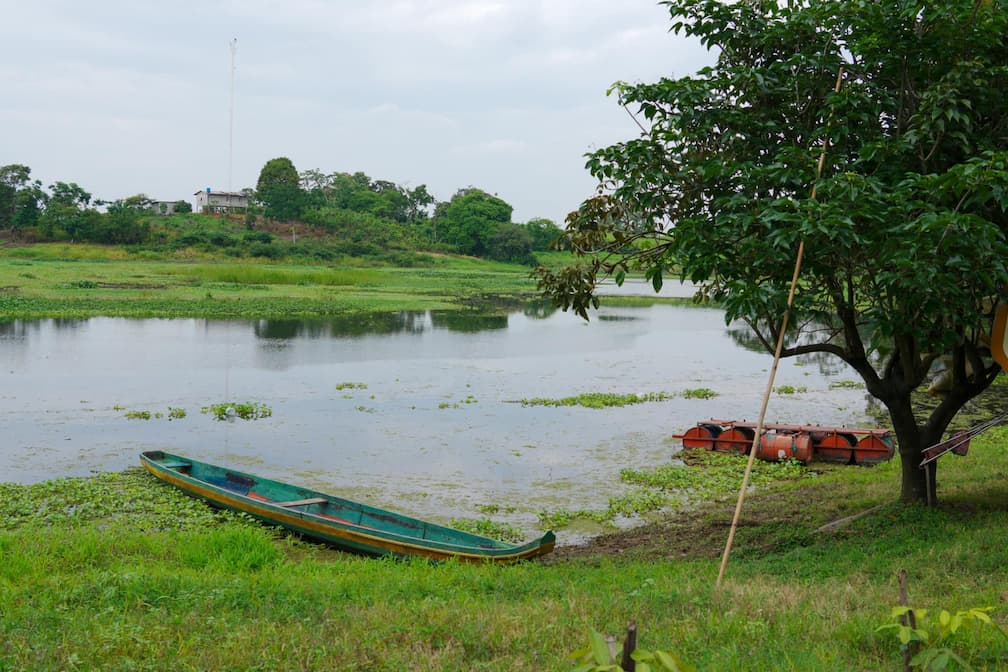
x: 220, y: 201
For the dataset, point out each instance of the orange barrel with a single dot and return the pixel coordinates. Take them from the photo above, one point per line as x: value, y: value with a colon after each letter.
x: 701, y: 436
x: 873, y: 449
x: 835, y: 447
x: 803, y: 448
x: 735, y: 440
x: 777, y: 446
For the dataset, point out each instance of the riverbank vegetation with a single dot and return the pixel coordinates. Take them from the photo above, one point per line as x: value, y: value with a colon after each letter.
x: 62, y: 280
x: 120, y: 572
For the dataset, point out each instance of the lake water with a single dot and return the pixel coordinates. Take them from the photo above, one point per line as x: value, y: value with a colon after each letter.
x: 434, y: 425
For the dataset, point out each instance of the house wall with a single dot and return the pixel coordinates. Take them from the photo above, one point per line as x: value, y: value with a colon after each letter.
x: 220, y: 202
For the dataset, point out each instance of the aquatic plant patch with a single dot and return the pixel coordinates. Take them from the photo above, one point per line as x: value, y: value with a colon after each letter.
x: 231, y: 410
x: 699, y: 393
x: 174, y: 413
x: 132, y: 499
x: 490, y: 528
x: 846, y: 385
x: 600, y: 399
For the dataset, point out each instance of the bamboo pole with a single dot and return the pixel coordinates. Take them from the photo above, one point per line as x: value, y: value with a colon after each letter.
x: 773, y: 369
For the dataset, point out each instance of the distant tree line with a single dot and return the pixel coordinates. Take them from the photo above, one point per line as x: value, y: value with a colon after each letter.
x: 66, y: 211
x: 472, y: 222
x: 362, y: 216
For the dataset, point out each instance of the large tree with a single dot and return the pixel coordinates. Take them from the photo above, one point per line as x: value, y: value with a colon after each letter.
x: 905, y: 231
x: 470, y: 220
x: 278, y: 189
x: 13, y: 178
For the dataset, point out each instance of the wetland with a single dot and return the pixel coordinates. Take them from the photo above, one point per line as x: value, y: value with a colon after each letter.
x: 441, y: 414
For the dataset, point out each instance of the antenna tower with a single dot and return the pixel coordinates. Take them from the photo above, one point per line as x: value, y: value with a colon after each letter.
x: 234, y: 48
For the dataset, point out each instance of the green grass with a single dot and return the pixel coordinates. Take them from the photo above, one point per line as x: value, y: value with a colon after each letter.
x: 119, y: 572
x: 81, y: 280
x: 77, y: 281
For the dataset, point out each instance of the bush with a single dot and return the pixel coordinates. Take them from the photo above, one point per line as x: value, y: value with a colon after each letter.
x: 267, y: 250
x: 258, y: 237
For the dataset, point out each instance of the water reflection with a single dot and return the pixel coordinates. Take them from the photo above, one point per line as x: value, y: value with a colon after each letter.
x: 409, y: 322
x: 827, y: 363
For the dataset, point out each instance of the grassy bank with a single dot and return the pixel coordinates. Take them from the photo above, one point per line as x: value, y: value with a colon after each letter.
x: 84, y: 281
x: 118, y: 572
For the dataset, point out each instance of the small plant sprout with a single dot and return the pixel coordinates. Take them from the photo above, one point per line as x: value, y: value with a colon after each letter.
x: 602, y: 655
x: 930, y: 637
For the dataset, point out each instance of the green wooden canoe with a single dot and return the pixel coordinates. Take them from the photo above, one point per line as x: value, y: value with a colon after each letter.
x: 348, y: 525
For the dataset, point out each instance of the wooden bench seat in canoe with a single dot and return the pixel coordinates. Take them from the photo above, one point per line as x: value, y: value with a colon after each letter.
x: 301, y: 502
x: 176, y: 465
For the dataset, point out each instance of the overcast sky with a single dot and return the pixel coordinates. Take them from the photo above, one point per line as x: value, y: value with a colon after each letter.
x: 505, y: 95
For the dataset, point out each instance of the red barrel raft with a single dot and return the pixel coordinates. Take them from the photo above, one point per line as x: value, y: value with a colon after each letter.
x: 805, y: 443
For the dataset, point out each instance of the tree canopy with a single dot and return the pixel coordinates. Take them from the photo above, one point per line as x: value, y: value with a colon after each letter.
x: 470, y: 220
x: 279, y: 190
x: 904, y: 232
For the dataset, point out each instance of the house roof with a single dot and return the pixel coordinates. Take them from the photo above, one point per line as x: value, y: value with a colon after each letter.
x: 222, y: 193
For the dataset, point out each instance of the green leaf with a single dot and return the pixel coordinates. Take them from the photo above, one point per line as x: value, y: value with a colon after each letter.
x: 600, y: 648
x: 672, y: 662
x: 981, y: 614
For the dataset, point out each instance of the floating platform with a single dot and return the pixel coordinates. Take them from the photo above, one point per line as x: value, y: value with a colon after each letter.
x: 805, y: 443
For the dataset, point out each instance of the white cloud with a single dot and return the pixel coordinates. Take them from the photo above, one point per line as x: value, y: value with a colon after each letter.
x: 124, y: 97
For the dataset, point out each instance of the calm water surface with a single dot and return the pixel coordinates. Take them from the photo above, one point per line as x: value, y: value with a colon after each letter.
x: 435, y: 428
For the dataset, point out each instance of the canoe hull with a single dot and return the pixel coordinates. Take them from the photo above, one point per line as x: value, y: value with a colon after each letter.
x: 342, y: 523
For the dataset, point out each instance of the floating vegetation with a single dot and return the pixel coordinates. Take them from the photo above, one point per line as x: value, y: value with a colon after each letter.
x: 699, y: 393
x: 351, y: 386
x: 457, y: 404
x: 790, y: 389
x: 846, y: 385
x: 600, y: 399
x: 174, y: 413
x: 127, y: 499
x: 492, y: 509
x: 488, y: 528
x: 229, y: 411
x: 365, y: 409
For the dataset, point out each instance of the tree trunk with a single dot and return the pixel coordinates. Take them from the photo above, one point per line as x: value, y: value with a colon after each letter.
x: 918, y: 485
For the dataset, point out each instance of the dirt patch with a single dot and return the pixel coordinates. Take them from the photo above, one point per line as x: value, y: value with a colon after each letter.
x: 769, y: 521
